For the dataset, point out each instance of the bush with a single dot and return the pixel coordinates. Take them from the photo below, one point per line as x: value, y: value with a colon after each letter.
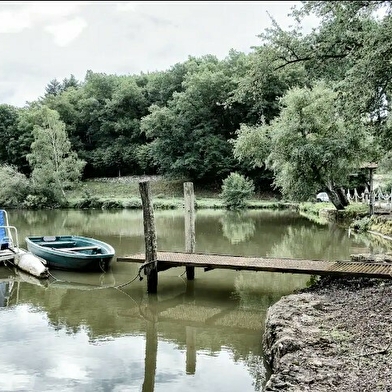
x: 14, y: 186
x: 236, y: 190
x: 35, y: 202
x: 361, y: 225
x: 133, y: 203
x: 111, y: 204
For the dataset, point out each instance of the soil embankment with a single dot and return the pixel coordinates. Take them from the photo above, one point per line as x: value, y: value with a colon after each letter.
x: 334, y: 336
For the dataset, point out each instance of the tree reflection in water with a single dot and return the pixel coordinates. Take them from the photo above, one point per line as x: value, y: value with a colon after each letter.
x: 237, y: 226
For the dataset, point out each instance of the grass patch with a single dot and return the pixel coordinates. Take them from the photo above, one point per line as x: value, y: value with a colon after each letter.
x: 381, y: 224
x: 123, y: 192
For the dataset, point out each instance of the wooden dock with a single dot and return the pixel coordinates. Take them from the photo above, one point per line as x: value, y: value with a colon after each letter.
x: 167, y: 260
x: 154, y: 261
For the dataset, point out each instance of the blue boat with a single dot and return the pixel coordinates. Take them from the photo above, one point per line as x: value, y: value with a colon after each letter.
x: 71, y: 252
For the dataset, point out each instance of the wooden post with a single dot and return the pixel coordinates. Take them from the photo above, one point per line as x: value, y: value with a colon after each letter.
x: 150, y: 361
x: 189, y: 198
x: 190, y: 350
x: 150, y: 269
x: 371, y: 166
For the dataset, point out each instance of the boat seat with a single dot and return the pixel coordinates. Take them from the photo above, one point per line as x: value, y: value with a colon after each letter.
x: 77, y: 248
x: 5, y: 243
x: 4, y: 239
x: 57, y: 244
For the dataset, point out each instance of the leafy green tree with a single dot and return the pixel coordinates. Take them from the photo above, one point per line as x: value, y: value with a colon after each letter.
x: 363, y: 46
x: 351, y: 47
x: 119, y: 136
x: 310, y: 147
x: 20, y: 142
x: 54, y: 164
x: 236, y: 190
x: 15, y: 186
x: 109, y: 110
x: 159, y: 87
x: 8, y: 131
x: 189, y: 136
x: 263, y: 83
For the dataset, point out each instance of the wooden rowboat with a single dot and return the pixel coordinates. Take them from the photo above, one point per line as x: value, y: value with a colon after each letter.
x: 71, y: 252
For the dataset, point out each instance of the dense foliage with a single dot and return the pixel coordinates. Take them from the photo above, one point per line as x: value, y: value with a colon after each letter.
x: 303, y: 111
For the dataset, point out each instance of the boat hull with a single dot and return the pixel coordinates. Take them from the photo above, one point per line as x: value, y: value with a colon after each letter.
x: 72, y: 253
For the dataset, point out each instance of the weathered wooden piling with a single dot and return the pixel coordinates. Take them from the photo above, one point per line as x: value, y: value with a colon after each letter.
x: 190, y: 238
x: 150, y: 268
x: 150, y: 360
x: 190, y: 350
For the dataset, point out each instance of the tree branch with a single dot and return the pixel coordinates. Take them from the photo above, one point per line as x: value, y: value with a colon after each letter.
x: 325, y: 57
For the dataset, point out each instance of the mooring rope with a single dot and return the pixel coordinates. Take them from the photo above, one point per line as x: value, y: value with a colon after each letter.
x: 138, y: 275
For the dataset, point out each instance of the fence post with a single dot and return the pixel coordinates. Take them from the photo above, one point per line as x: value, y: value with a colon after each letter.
x: 355, y: 195
x: 366, y: 196
x: 348, y: 195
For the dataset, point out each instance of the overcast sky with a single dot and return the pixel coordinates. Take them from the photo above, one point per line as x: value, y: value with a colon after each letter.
x: 42, y: 41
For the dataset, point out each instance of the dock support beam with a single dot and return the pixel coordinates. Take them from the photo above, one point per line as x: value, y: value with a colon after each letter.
x: 150, y: 269
x: 189, y: 203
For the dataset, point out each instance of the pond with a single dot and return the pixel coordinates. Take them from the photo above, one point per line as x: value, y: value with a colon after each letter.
x: 103, y: 332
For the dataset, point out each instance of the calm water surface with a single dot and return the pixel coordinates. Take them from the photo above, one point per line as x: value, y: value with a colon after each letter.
x: 102, y: 332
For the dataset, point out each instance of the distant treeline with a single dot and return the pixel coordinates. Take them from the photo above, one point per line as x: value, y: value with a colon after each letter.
x: 190, y: 121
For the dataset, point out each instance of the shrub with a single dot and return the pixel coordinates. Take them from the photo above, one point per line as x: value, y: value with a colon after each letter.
x: 133, y: 203
x: 361, y: 225
x: 14, y: 186
x: 111, y: 204
x: 89, y: 200
x: 236, y: 190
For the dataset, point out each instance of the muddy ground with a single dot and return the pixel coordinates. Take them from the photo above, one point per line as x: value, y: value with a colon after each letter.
x: 334, y: 336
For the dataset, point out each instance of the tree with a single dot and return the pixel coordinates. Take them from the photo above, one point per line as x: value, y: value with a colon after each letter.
x: 8, y: 131
x: 236, y: 190
x: 351, y: 47
x: 54, y: 87
x: 53, y: 162
x: 15, y: 186
x: 263, y: 83
x: 70, y: 82
x: 189, y: 136
x: 311, y: 146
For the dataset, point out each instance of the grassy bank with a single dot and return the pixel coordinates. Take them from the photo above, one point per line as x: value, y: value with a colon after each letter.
x: 124, y: 192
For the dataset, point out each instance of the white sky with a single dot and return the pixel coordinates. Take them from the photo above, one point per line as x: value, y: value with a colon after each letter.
x: 42, y: 41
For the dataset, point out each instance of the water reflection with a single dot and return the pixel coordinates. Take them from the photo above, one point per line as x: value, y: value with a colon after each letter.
x: 237, y: 226
x: 102, y: 332
x: 186, y: 327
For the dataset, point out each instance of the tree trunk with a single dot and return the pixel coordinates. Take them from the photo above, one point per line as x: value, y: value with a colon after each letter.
x: 338, y: 198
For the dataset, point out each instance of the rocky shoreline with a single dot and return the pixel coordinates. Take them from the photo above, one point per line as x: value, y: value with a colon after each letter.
x: 333, y: 336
